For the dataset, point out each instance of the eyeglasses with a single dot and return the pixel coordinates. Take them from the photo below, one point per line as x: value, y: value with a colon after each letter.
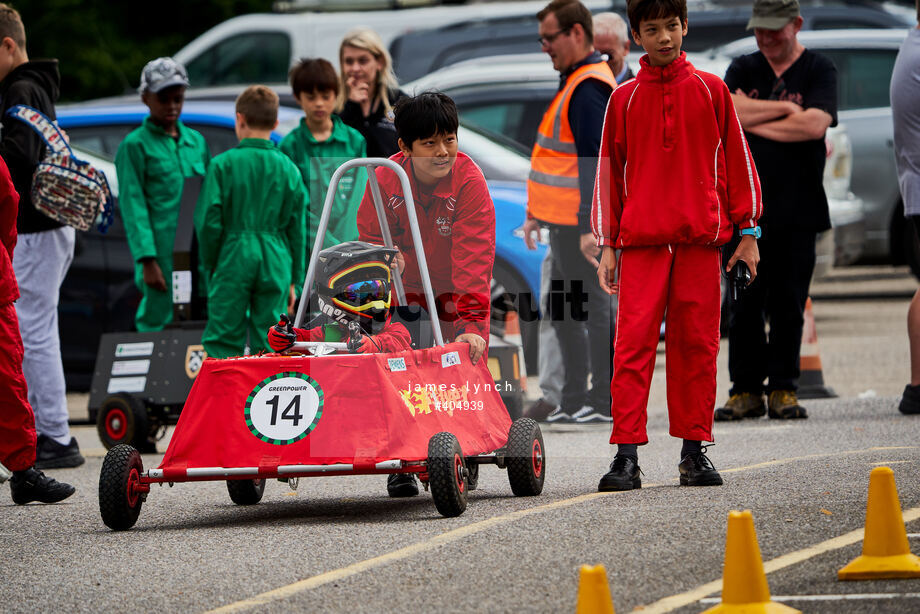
x: 549, y: 39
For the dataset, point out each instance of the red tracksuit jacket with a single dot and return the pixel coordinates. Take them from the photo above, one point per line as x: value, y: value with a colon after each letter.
x: 674, y: 165
x: 393, y: 338
x: 457, y: 225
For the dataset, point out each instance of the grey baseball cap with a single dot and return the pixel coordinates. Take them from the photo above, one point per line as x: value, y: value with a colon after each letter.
x: 773, y: 14
x: 161, y: 73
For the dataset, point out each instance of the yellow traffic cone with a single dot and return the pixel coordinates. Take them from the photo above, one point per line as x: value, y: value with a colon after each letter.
x: 593, y: 591
x: 744, y: 583
x: 885, y: 552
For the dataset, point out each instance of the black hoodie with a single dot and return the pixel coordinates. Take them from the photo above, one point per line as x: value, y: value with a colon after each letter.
x: 36, y: 84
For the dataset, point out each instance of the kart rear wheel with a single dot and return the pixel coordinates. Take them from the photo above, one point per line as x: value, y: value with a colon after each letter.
x: 447, y: 474
x: 120, y: 498
x: 246, y: 492
x: 122, y: 419
x: 525, y: 458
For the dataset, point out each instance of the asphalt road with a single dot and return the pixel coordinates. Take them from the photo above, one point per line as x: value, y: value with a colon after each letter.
x: 338, y: 544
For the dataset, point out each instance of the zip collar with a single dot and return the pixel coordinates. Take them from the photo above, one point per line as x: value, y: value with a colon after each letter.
x: 676, y: 71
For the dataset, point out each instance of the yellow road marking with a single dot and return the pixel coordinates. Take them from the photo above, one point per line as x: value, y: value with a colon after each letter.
x: 476, y: 527
x: 692, y: 596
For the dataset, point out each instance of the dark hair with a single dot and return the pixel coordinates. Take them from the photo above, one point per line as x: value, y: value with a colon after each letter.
x: 425, y: 115
x: 646, y: 10
x: 568, y: 13
x: 259, y: 105
x: 313, y: 75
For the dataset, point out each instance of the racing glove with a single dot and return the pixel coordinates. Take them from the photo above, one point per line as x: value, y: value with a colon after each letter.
x: 281, y: 336
x: 361, y: 344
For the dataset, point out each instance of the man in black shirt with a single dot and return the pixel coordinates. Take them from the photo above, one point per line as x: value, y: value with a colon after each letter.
x: 786, y: 99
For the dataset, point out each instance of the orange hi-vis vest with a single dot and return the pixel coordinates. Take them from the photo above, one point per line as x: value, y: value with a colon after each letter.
x: 552, y: 188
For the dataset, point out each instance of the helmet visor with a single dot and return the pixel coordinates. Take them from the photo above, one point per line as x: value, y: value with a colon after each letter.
x: 361, y: 293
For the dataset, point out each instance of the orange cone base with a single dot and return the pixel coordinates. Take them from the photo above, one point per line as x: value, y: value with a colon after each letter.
x: 881, y: 567
x: 767, y: 607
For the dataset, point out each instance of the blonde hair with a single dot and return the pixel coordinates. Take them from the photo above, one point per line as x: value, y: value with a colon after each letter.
x: 11, y: 25
x: 259, y: 105
x: 368, y: 40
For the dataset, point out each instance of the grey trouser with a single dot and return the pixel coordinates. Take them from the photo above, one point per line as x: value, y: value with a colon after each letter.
x: 552, y: 375
x: 41, y: 260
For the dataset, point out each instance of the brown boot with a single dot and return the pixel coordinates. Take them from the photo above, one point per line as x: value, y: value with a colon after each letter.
x: 784, y: 405
x: 740, y: 406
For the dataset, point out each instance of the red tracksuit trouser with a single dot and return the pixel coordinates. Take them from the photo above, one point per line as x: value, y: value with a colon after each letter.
x: 17, y: 422
x: 681, y: 283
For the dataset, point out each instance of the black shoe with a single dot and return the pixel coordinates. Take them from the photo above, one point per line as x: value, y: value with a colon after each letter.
x: 557, y: 416
x: 33, y: 485
x: 402, y: 485
x: 696, y: 470
x: 623, y: 475
x: 589, y: 415
x: 910, y: 400
x: 539, y: 410
x: 49, y: 454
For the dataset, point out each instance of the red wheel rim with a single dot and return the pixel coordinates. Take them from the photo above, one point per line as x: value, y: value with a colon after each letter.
x: 458, y: 472
x: 134, y: 480
x: 537, y: 458
x: 116, y: 424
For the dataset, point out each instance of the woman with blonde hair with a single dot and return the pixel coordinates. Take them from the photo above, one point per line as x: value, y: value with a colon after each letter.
x: 369, y: 90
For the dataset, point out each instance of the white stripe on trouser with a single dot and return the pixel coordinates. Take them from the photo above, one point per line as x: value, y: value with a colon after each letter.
x: 41, y: 260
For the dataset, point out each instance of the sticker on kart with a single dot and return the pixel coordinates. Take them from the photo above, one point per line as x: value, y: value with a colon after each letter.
x: 284, y: 408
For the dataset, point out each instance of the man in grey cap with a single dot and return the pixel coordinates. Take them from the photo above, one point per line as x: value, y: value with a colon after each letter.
x: 786, y: 99
x: 152, y: 164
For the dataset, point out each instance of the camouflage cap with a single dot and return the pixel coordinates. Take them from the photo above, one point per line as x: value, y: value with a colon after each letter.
x: 161, y: 73
x: 773, y: 14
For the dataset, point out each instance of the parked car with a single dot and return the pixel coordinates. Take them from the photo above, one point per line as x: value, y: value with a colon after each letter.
x: 422, y: 51
x: 507, y: 96
x: 99, y: 295
x: 261, y: 47
x: 864, y: 60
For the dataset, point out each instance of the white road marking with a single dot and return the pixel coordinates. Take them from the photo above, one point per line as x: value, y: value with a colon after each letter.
x: 844, y: 597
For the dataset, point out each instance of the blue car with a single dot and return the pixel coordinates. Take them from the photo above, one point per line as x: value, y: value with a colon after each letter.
x: 99, y: 294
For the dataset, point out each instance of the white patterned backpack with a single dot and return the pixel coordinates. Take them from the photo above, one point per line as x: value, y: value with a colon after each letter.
x: 64, y: 187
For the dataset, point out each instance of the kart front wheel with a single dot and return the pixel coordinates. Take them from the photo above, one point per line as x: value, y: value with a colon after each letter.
x: 447, y: 474
x: 121, y: 493
x: 246, y: 492
x: 525, y: 458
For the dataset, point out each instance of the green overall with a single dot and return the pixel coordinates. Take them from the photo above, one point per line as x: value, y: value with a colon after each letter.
x: 250, y: 228
x: 317, y: 160
x: 152, y: 167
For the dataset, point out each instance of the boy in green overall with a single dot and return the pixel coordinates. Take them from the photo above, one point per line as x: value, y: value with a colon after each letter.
x: 250, y: 227
x: 152, y: 164
x: 319, y: 145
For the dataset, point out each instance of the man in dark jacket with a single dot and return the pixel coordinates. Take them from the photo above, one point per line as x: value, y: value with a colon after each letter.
x: 45, y: 247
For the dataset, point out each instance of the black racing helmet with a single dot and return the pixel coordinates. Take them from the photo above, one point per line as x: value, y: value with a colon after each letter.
x: 353, y: 284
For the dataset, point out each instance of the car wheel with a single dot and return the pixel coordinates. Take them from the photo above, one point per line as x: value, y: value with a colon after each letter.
x: 120, y: 493
x: 510, y: 294
x: 447, y: 474
x: 526, y: 458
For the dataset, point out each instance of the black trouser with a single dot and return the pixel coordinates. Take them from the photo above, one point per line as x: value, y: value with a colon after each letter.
x: 580, y: 313
x: 777, y: 297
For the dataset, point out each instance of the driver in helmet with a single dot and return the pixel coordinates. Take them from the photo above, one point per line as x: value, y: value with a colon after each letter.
x: 353, y: 291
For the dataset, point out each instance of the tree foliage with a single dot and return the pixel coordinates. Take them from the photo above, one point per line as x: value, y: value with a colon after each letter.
x: 103, y: 45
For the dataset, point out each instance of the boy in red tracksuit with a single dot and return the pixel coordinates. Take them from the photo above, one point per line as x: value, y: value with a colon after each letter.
x: 353, y: 292
x: 455, y: 214
x: 675, y: 179
x: 17, y: 422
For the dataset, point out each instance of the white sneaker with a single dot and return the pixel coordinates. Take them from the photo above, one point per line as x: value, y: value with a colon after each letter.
x: 557, y: 416
x: 588, y: 414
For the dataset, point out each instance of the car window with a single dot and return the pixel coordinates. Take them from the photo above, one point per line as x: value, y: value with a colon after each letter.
x: 864, y: 76
x: 102, y: 141
x: 253, y: 57
x: 499, y: 118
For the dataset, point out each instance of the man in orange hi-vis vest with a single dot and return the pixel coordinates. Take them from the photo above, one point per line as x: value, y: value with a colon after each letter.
x: 559, y: 194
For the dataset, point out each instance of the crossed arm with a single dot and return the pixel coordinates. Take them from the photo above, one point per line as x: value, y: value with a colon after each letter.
x: 780, y: 120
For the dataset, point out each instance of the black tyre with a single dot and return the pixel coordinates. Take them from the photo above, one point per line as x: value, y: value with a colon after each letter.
x: 246, y: 492
x: 525, y: 458
x: 122, y: 419
x: 447, y: 474
x: 120, y: 498
x: 472, y: 475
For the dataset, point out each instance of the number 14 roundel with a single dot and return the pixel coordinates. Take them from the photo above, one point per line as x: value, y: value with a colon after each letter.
x: 284, y: 408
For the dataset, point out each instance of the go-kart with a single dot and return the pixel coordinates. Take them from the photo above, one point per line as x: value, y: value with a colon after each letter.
x: 313, y: 412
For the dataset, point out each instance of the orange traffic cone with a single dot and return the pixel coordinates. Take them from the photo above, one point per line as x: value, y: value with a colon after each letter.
x: 744, y: 583
x: 885, y: 553
x: 811, y: 378
x: 593, y: 591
